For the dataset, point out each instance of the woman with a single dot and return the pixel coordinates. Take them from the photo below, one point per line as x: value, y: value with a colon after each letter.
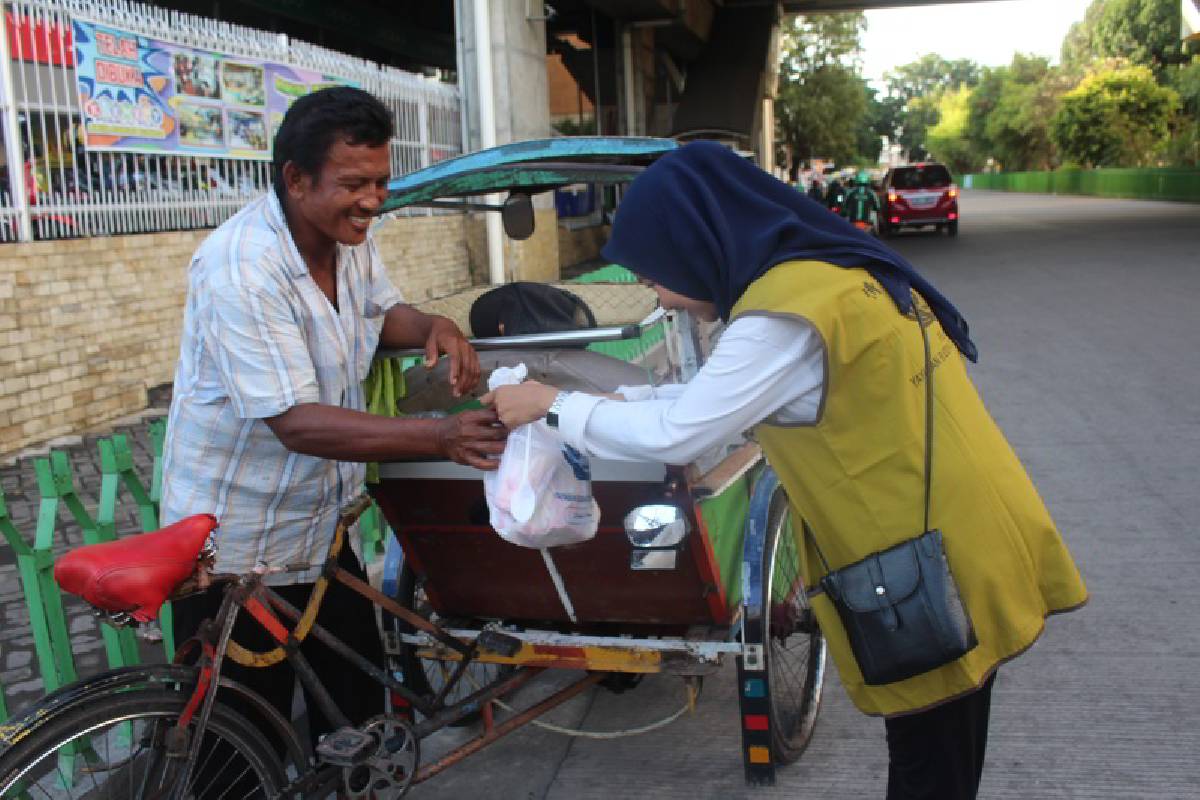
x: 824, y: 358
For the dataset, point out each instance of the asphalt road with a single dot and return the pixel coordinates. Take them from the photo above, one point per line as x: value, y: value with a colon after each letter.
x: 1087, y: 317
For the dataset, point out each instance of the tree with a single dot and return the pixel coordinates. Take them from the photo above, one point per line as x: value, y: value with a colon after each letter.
x: 1020, y: 101
x: 1146, y: 32
x: 949, y: 140
x: 1185, y: 139
x: 916, y: 88
x: 819, y: 115
x: 872, y: 128
x: 822, y: 99
x: 929, y: 74
x: 1115, y: 118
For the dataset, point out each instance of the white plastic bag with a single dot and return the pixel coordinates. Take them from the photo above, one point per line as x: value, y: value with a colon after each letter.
x: 541, y: 495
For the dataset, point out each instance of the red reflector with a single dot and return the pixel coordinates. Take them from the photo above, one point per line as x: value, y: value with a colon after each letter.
x: 952, y: 215
x: 398, y: 700
x: 894, y: 220
x: 756, y: 722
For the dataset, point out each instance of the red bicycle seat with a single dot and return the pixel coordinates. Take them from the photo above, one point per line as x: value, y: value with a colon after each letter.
x: 135, y: 574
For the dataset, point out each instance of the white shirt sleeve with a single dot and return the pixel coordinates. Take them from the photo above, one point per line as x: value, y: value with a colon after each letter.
x: 760, y: 365
x: 667, y: 390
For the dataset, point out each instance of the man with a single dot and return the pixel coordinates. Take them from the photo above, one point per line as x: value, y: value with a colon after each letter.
x: 862, y: 205
x: 814, y: 188
x: 835, y: 195
x: 287, y: 302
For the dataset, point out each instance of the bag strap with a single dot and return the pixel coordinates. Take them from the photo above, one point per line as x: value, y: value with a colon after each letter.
x: 928, y: 409
x: 928, y: 378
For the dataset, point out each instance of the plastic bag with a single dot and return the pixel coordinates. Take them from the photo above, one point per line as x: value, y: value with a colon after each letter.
x: 541, y: 494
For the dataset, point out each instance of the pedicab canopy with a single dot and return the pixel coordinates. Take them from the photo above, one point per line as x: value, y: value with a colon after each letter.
x: 523, y: 169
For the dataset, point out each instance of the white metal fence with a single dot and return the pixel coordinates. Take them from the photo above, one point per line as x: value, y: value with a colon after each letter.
x: 51, y: 186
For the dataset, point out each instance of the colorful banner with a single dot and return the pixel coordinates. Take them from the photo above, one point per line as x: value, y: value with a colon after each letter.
x: 149, y: 96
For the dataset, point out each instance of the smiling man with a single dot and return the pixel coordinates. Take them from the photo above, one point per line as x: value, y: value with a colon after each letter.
x: 286, y: 304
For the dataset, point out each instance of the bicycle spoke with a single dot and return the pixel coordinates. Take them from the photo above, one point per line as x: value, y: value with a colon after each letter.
x: 240, y: 775
x: 199, y: 771
x: 238, y: 761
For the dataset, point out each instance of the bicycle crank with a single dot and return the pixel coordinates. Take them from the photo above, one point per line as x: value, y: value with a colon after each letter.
x: 388, y: 772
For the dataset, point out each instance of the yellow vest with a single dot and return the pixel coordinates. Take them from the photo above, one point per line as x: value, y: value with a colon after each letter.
x: 857, y: 476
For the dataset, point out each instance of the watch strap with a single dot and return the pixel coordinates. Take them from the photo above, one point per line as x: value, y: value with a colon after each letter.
x: 555, y: 407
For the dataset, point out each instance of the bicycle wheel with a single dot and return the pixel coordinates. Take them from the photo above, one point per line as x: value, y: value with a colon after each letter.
x: 426, y: 676
x: 115, y: 746
x: 794, y: 649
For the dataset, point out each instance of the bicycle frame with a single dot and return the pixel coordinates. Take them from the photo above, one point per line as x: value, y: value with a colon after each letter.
x: 248, y: 593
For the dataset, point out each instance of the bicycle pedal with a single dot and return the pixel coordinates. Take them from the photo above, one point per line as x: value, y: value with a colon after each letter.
x: 497, y: 642
x: 347, y: 747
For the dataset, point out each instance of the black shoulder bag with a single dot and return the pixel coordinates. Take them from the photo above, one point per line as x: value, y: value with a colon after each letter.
x: 900, y: 607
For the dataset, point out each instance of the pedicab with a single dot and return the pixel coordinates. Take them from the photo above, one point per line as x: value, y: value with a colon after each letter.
x: 690, y: 566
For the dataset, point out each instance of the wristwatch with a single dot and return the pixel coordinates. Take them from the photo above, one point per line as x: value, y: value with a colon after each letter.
x: 555, y: 406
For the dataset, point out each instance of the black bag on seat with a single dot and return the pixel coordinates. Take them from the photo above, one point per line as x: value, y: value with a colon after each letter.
x: 527, y: 307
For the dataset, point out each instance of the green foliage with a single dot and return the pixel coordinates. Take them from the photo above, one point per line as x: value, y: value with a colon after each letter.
x: 929, y: 74
x: 823, y: 102
x: 1013, y: 115
x: 570, y: 126
x: 1146, y: 32
x: 1184, y: 148
x: 1118, y: 117
x: 949, y: 140
x: 915, y: 89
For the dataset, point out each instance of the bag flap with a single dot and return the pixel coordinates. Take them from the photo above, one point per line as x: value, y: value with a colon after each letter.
x: 881, y: 579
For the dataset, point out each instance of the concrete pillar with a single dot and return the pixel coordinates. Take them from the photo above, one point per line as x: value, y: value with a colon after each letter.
x: 521, y: 97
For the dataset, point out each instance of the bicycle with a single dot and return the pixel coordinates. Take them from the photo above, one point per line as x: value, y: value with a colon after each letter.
x: 164, y: 731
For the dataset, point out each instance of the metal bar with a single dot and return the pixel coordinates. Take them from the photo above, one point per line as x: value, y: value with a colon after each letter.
x: 709, y: 649
x: 474, y: 701
x: 411, y: 617
x: 508, y: 726
x: 19, y: 192
x: 101, y: 192
x: 338, y: 646
x: 456, y: 675
x: 537, y: 340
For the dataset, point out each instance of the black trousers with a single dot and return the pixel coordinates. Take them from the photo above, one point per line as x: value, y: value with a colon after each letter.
x: 938, y: 754
x: 344, y: 612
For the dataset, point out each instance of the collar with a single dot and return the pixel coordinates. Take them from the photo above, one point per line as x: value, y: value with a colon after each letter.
x: 296, y: 266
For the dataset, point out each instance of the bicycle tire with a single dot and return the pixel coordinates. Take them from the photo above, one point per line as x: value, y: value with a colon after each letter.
x: 423, y: 676
x: 794, y: 648
x: 29, y: 757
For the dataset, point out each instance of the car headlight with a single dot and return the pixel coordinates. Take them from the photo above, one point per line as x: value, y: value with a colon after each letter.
x: 656, y: 532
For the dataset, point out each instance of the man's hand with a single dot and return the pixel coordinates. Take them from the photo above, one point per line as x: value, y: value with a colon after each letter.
x: 445, y: 337
x: 524, y: 402
x: 474, y: 438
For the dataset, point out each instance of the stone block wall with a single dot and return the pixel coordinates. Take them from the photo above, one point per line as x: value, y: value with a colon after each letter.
x: 88, y: 325
x: 580, y: 244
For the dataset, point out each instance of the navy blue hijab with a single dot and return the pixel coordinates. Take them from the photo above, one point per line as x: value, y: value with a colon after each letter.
x: 706, y: 223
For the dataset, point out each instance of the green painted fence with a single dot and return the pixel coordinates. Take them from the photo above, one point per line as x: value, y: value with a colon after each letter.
x: 1141, y: 184
x: 34, y: 555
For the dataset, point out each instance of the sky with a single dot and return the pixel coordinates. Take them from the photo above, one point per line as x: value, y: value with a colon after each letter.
x: 988, y: 33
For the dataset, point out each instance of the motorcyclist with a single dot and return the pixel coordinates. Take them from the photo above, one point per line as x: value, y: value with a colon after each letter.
x: 861, y: 204
x: 835, y: 196
x: 814, y: 189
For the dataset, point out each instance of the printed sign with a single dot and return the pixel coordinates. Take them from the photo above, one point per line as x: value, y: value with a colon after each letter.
x: 149, y: 96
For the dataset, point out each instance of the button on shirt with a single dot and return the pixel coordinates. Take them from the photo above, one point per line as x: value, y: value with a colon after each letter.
x: 259, y: 336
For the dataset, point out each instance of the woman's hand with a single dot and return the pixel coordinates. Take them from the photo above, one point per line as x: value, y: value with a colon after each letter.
x: 522, y: 403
